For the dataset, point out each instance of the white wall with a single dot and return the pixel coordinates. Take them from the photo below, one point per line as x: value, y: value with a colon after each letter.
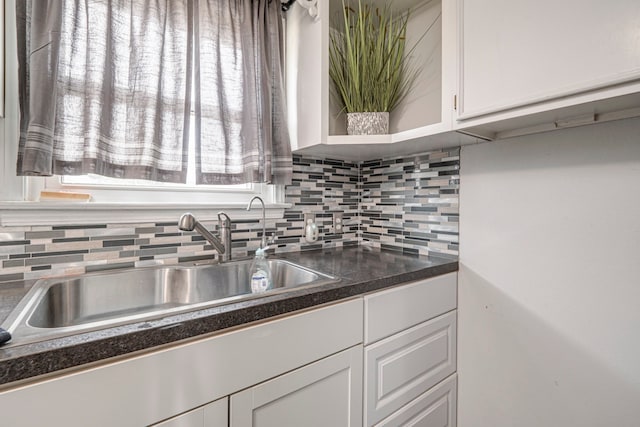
x: 549, y: 287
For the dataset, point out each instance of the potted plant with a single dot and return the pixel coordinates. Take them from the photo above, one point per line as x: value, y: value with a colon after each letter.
x: 369, y: 66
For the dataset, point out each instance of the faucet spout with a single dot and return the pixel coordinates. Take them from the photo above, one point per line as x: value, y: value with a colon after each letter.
x: 189, y: 223
x: 224, y: 230
x: 263, y: 242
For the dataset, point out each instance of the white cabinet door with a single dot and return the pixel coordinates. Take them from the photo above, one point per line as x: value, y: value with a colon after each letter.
x: 515, y: 53
x: 407, y: 364
x: 324, y: 393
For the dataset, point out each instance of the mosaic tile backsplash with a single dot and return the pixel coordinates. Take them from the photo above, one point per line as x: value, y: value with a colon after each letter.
x: 405, y: 204
x: 411, y: 204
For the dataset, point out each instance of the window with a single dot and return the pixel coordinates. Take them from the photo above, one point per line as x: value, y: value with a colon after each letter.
x: 111, y: 192
x: 113, y: 203
x: 120, y: 108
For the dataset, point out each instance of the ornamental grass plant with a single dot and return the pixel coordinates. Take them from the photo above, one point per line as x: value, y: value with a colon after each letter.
x: 368, y: 59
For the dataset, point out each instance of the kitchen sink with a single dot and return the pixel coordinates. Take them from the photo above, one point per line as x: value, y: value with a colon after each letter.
x: 62, y: 306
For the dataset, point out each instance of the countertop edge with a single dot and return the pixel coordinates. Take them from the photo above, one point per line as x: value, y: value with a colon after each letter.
x: 20, y: 366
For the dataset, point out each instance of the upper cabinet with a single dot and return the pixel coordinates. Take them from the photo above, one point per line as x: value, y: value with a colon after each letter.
x: 424, y: 119
x: 528, y: 66
x: 490, y: 69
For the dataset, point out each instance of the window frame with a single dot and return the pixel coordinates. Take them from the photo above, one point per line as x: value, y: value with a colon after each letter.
x: 205, y: 207
x: 143, y: 193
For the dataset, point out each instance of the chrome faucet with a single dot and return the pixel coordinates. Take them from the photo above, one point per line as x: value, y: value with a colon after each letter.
x: 221, y: 244
x: 263, y: 242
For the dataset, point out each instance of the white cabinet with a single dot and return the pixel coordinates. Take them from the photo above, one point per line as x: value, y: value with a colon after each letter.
x: 156, y: 386
x: 410, y: 333
x: 325, y: 393
x: 565, y: 63
x: 306, y: 369
x: 423, y: 121
x: 215, y: 414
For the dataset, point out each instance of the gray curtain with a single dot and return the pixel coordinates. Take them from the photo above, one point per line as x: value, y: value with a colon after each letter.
x: 241, y: 132
x: 105, y: 88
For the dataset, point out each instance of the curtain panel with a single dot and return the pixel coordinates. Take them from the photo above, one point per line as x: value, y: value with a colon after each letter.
x: 241, y: 130
x: 105, y: 87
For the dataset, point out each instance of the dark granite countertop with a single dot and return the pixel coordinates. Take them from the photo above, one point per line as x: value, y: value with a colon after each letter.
x: 361, y: 270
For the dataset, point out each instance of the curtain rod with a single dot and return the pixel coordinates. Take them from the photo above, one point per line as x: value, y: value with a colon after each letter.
x: 310, y: 5
x: 286, y: 5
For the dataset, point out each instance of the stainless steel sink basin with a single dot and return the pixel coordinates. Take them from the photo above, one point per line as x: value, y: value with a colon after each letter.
x: 62, y: 306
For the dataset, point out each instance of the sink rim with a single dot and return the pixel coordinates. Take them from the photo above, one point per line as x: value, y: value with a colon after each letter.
x: 24, y: 333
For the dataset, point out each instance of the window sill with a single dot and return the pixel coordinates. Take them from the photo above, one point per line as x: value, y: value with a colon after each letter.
x: 20, y: 214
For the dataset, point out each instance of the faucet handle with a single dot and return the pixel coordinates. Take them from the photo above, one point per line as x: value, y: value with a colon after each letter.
x: 271, y: 239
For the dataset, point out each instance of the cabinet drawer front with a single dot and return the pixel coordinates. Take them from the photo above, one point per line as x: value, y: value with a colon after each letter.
x: 400, y: 368
x: 437, y: 407
x: 396, y: 309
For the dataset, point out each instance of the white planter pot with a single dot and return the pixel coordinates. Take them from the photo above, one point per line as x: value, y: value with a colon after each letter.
x: 368, y: 123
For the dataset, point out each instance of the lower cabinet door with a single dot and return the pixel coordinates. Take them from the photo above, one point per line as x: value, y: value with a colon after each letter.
x: 325, y: 393
x: 401, y: 367
x: 435, y: 408
x: 214, y: 414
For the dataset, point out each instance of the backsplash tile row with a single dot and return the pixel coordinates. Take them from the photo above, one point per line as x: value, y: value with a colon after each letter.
x: 406, y: 204
x: 410, y: 204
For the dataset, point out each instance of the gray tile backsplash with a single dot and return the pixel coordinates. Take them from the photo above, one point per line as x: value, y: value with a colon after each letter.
x: 407, y: 204
x: 410, y: 204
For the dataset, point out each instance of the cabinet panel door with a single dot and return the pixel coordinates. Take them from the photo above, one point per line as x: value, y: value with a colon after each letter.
x: 324, y: 393
x: 435, y: 408
x: 400, y: 368
x: 518, y: 52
